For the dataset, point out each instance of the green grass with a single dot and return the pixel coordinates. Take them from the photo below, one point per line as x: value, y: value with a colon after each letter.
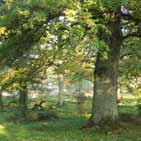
x: 67, y: 127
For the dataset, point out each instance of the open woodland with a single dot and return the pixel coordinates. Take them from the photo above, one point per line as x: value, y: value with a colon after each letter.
x: 70, y: 70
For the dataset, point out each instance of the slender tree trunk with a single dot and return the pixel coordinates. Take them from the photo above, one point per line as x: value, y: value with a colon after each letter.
x: 79, y: 95
x: 139, y: 105
x: 81, y: 99
x: 105, y: 80
x: 61, y: 90
x: 23, y: 100
x: 119, y: 93
x: 80, y: 87
x: 1, y: 102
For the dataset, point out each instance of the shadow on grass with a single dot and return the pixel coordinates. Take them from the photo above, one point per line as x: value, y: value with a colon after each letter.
x: 67, y: 126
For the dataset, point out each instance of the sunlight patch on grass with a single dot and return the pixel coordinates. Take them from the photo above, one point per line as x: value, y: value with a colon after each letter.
x: 2, y: 130
x: 87, y: 115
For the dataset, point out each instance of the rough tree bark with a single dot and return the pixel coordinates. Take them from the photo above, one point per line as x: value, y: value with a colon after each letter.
x: 105, y: 79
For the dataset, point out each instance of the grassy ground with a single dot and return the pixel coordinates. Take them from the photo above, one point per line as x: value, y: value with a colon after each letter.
x: 68, y: 126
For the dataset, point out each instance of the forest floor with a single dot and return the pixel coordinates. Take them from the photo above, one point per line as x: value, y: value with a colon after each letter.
x: 68, y: 126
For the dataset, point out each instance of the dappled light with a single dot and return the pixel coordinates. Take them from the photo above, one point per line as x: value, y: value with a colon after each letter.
x: 70, y: 70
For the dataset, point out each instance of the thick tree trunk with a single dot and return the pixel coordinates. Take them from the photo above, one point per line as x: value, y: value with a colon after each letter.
x: 105, y: 81
x: 1, y: 102
x: 61, y: 90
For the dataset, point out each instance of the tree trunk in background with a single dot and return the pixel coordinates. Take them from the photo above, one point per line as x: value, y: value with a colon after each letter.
x: 61, y: 90
x: 1, y: 102
x: 119, y: 93
x: 79, y: 95
x: 106, y: 78
x: 81, y: 99
x: 23, y: 100
x: 139, y: 105
x: 80, y: 87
